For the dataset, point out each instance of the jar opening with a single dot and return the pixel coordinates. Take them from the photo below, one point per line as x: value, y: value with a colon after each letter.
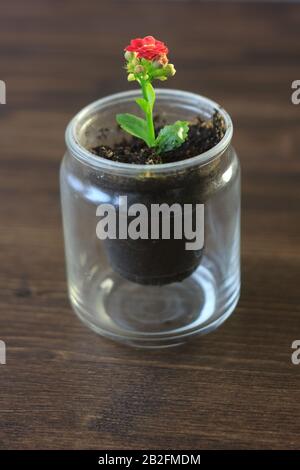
x: 83, y: 130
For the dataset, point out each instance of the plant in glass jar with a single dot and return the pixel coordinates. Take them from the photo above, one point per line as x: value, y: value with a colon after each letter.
x: 151, y: 209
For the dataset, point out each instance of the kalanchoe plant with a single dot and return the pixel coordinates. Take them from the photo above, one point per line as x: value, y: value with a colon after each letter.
x: 146, y: 60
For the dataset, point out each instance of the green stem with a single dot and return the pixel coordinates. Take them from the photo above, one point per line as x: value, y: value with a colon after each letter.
x: 149, y: 116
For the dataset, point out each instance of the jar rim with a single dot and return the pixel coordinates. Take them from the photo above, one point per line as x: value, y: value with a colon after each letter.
x: 87, y: 157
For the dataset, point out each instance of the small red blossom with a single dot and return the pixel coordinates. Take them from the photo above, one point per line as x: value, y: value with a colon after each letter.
x: 148, y: 48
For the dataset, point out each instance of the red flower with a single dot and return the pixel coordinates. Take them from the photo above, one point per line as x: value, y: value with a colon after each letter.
x: 148, y: 48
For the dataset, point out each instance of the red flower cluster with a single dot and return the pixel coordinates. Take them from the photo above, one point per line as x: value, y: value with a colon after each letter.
x: 148, y: 48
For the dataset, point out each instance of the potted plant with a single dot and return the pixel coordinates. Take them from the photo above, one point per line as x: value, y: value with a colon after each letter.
x: 151, y: 209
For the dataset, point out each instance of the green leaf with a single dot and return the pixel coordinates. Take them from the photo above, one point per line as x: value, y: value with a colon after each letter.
x: 172, y: 136
x: 133, y: 125
x: 150, y: 93
x: 143, y: 104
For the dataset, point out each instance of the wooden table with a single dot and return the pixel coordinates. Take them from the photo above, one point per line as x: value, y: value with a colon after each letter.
x: 65, y: 387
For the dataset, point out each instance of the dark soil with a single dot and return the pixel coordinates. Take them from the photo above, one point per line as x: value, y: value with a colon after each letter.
x: 202, y: 136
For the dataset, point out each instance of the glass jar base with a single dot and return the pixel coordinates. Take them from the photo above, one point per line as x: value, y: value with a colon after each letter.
x: 153, y: 316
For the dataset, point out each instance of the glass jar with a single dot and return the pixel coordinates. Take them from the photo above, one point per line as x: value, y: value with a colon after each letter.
x: 150, y: 292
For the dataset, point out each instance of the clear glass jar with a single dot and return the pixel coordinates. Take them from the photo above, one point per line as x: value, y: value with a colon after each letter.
x: 148, y: 292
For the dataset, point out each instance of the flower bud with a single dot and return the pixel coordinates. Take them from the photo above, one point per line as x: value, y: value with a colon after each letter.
x: 131, y: 77
x: 139, y: 69
x: 130, y: 55
x: 170, y: 70
x: 163, y: 59
x: 156, y: 64
x: 130, y: 67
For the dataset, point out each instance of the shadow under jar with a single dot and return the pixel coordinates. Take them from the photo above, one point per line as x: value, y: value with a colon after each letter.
x: 150, y: 292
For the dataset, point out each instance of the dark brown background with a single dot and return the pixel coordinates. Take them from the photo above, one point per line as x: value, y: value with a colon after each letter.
x: 64, y: 387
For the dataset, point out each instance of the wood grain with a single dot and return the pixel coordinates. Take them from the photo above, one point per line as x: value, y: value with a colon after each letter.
x: 65, y: 387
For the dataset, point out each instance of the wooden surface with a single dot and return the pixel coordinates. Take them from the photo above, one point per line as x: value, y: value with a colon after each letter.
x: 65, y: 387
